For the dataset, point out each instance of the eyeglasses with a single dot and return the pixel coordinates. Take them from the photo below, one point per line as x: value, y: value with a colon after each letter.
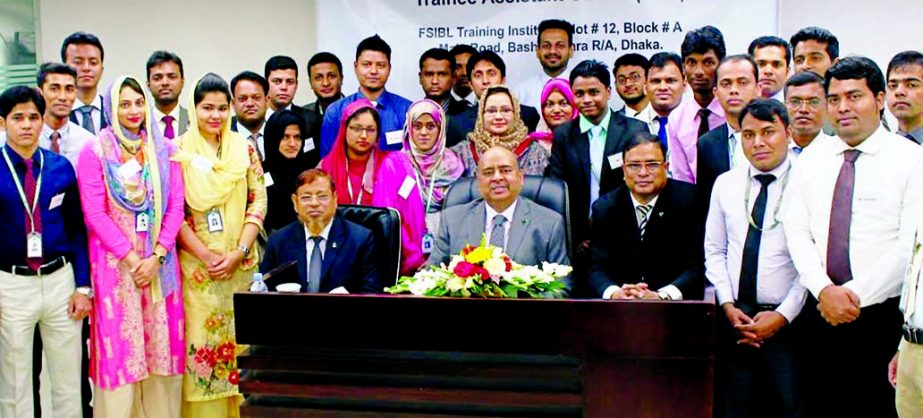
x: 358, y: 130
x: 635, y: 77
x: 797, y: 102
x: 494, y: 110
x: 322, y: 198
x: 635, y: 168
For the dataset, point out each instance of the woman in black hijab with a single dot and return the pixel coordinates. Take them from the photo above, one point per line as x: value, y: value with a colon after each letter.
x: 289, y: 151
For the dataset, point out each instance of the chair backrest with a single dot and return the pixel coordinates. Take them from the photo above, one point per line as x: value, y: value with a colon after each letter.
x: 385, y: 224
x: 546, y: 191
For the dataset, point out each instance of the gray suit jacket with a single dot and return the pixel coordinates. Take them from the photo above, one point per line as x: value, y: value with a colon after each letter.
x: 183, y: 120
x: 536, y: 233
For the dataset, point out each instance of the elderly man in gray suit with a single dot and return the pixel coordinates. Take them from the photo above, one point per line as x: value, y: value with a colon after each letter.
x: 527, y: 232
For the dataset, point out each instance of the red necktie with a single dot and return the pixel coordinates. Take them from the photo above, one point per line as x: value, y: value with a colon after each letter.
x: 56, y: 142
x: 29, y: 186
x: 838, y: 266
x: 168, y: 127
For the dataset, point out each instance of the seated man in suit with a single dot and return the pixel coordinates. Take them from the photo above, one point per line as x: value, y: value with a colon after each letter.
x: 330, y: 251
x: 527, y: 232
x: 646, y: 241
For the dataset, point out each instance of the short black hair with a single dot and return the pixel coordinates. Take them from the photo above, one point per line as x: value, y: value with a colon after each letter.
x: 53, y: 68
x: 641, y: 138
x: 814, y: 33
x: 766, y: 110
x: 556, y: 24
x: 374, y: 43
x: 489, y: 56
x: 250, y: 76
x: 280, y: 62
x: 903, y: 59
x: 801, y: 79
x: 160, y: 57
x: 463, y: 49
x: 856, y: 68
x: 632, y: 59
x: 82, y: 38
x: 438, y: 54
x: 210, y: 83
x: 591, y: 69
x: 702, y: 40
x: 737, y: 58
x: 764, y: 41
x: 322, y: 58
x: 18, y: 95
x: 661, y: 59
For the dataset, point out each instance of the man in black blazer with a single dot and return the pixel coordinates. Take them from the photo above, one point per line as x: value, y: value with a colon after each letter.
x: 331, y: 253
x: 646, y: 241
x: 572, y: 156
x: 281, y: 73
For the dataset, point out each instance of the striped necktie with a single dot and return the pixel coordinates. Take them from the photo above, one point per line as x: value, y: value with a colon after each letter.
x: 643, y: 214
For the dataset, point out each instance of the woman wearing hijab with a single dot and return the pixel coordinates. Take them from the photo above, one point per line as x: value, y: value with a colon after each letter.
x: 365, y: 175
x: 434, y: 166
x: 499, y: 124
x: 225, y: 207
x: 286, y: 158
x: 558, y: 106
x: 132, y: 195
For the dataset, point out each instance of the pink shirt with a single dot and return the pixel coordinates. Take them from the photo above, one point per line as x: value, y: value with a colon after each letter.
x: 683, y: 135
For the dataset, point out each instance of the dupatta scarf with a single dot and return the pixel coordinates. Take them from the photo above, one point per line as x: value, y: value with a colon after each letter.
x: 514, y: 136
x: 145, y: 190
x: 336, y: 163
x: 437, y: 168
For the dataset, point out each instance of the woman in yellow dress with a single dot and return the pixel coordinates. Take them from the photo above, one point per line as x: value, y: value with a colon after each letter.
x: 225, y: 207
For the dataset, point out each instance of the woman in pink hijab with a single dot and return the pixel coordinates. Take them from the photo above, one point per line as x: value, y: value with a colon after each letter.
x: 558, y: 106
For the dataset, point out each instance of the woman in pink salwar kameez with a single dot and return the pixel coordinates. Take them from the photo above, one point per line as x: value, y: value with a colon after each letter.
x: 132, y: 195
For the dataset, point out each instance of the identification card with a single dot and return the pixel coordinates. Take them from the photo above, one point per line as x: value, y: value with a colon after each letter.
x: 267, y: 180
x: 34, y: 245
x: 215, y: 223
x: 615, y: 161
x: 56, y: 201
x: 428, y: 242
x: 142, y: 222
x: 308, y: 145
x: 201, y: 163
x: 406, y: 187
x: 394, y: 137
x: 129, y: 169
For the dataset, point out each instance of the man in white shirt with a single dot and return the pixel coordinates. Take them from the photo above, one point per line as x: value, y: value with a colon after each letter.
x: 84, y: 52
x: 747, y: 260
x: 905, y: 94
x: 850, y: 215
x: 58, y: 85
x: 248, y: 90
x: 772, y: 55
x: 165, y: 82
x: 806, y: 102
x: 555, y: 48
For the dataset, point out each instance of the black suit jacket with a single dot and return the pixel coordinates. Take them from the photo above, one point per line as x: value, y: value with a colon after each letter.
x: 712, y: 159
x: 103, y: 120
x: 671, y: 252
x: 312, y: 122
x: 462, y: 123
x: 570, y: 161
x: 349, y: 259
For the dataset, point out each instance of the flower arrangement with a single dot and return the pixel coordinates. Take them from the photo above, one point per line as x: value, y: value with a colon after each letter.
x: 485, y: 271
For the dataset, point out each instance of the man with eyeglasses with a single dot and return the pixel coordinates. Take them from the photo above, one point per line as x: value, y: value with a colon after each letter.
x: 332, y: 254
x: 646, y: 242
x: 756, y: 284
x: 806, y: 103
x: 630, y: 72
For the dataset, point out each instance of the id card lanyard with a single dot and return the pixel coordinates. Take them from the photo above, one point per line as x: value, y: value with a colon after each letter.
x: 22, y: 193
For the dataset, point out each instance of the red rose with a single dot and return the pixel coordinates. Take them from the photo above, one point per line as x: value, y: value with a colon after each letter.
x: 225, y: 351
x: 206, y: 355
x: 509, y: 263
x: 464, y: 269
x: 234, y: 377
x: 481, y: 271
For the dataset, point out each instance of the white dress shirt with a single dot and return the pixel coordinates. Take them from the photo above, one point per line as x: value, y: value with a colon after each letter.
x: 887, y: 207
x: 507, y: 213
x: 529, y: 91
x: 736, y: 155
x: 158, y: 117
x: 269, y: 112
x: 96, y: 114
x: 471, y: 98
x: 73, y: 138
x: 726, y: 235
x: 820, y: 138
x: 646, y: 115
x: 309, y: 243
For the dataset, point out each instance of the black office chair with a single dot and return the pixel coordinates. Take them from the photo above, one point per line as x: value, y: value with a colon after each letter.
x: 385, y: 224
x: 548, y: 192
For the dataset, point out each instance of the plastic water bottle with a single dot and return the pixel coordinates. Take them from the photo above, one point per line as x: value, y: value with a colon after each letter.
x: 258, y: 285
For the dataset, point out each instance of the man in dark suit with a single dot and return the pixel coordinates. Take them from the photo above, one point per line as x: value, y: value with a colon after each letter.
x: 248, y: 97
x: 85, y: 53
x: 165, y: 81
x: 719, y: 150
x: 331, y: 253
x: 645, y: 241
x: 485, y: 69
x: 325, y: 73
x: 437, y: 78
x: 281, y: 73
x: 529, y: 233
x: 587, y: 151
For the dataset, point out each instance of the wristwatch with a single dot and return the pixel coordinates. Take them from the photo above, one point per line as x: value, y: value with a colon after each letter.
x: 664, y: 295
x: 244, y: 249
x: 160, y: 258
x: 85, y: 291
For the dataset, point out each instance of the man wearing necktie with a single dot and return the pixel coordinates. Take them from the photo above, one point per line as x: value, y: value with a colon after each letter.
x: 665, y: 86
x: 84, y: 52
x: 850, y: 216
x: 905, y: 94
x: 756, y: 284
x: 331, y: 253
x: 806, y: 103
x: 165, y: 82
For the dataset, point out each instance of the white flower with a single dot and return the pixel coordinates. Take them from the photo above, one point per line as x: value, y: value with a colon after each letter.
x: 495, y: 267
x: 455, y: 284
x: 422, y: 285
x: 556, y: 270
x: 454, y: 262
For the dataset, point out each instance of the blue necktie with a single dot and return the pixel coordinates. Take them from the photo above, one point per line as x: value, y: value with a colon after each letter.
x: 662, y: 133
x: 87, y: 122
x: 315, y: 266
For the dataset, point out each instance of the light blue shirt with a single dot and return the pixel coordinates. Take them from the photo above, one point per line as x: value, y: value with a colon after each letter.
x: 597, y: 137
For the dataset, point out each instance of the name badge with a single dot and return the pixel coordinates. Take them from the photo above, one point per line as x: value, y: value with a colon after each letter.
x: 201, y: 163
x: 428, y: 242
x: 615, y: 161
x: 142, y: 222
x: 308, y: 145
x: 406, y: 187
x: 129, y: 169
x: 267, y: 180
x: 34, y: 245
x: 56, y: 201
x: 394, y: 137
x: 215, y: 223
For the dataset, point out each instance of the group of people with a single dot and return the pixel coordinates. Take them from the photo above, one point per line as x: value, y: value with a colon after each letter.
x: 776, y: 181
